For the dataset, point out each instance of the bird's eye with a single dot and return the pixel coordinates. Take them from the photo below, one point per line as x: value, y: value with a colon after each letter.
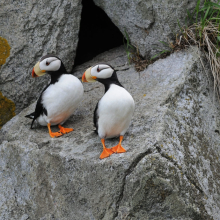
x: 98, y: 70
x: 47, y: 63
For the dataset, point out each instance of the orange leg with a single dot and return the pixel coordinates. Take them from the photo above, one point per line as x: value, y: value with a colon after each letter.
x: 106, y: 152
x: 53, y: 134
x: 118, y: 148
x: 65, y: 130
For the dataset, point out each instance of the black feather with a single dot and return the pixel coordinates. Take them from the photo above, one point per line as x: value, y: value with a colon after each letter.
x: 39, y: 109
x: 112, y: 80
x: 31, y: 116
x: 96, y: 118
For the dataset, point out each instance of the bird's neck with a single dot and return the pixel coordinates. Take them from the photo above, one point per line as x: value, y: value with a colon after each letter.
x: 56, y: 75
x: 112, y: 80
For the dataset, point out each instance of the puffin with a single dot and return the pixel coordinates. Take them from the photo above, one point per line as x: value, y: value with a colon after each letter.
x: 59, y: 99
x: 113, y: 112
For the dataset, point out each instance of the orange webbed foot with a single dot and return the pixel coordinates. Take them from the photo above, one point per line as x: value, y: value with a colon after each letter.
x: 55, y: 134
x: 118, y: 149
x: 65, y: 130
x: 106, y: 153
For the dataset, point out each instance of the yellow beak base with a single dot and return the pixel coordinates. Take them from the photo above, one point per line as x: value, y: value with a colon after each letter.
x: 87, y: 77
x: 38, y: 71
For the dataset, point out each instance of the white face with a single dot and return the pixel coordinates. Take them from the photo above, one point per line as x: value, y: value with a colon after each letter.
x: 102, y: 71
x: 50, y: 64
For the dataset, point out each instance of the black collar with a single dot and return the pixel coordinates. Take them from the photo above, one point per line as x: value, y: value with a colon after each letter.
x: 112, y: 80
x: 55, y: 75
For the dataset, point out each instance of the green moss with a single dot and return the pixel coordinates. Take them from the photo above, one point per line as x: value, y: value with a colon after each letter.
x: 4, y: 50
x: 7, y: 110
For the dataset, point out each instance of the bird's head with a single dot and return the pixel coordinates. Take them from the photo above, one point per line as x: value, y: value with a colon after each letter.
x: 48, y: 64
x: 98, y: 72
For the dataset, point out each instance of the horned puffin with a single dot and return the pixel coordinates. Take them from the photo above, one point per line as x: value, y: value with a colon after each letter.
x: 59, y: 99
x: 113, y: 112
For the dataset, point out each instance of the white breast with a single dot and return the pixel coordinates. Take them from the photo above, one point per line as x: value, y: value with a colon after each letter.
x: 61, y: 99
x: 115, y: 111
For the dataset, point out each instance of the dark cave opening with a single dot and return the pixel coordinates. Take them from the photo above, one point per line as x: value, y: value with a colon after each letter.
x: 97, y: 33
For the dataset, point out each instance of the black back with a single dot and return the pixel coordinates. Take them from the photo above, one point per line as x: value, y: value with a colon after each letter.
x: 39, y: 109
x: 95, y: 118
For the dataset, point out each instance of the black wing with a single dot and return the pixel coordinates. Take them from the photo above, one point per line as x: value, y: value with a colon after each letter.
x: 39, y: 109
x: 96, y: 118
x: 31, y: 116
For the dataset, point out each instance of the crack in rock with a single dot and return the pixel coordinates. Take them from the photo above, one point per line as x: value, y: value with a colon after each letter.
x: 128, y: 172
x: 180, y: 169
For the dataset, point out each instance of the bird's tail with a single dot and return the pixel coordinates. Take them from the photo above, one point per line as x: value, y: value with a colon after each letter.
x: 31, y: 116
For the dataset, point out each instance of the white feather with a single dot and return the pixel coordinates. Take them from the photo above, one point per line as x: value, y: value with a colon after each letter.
x: 105, y: 71
x: 61, y: 99
x: 54, y: 64
x: 115, y: 111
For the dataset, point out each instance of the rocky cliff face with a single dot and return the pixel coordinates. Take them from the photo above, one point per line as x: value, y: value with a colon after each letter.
x: 148, y: 22
x: 171, y: 167
x: 32, y: 29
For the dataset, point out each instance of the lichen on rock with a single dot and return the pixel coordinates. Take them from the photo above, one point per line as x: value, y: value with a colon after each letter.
x: 4, y: 50
x: 7, y: 109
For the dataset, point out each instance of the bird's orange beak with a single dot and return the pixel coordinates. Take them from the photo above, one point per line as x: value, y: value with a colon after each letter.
x: 87, y: 77
x: 84, y: 78
x: 34, y: 75
x: 37, y: 71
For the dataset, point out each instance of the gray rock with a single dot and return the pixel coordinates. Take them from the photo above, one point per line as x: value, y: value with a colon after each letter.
x: 148, y: 22
x: 170, y: 170
x: 33, y: 29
